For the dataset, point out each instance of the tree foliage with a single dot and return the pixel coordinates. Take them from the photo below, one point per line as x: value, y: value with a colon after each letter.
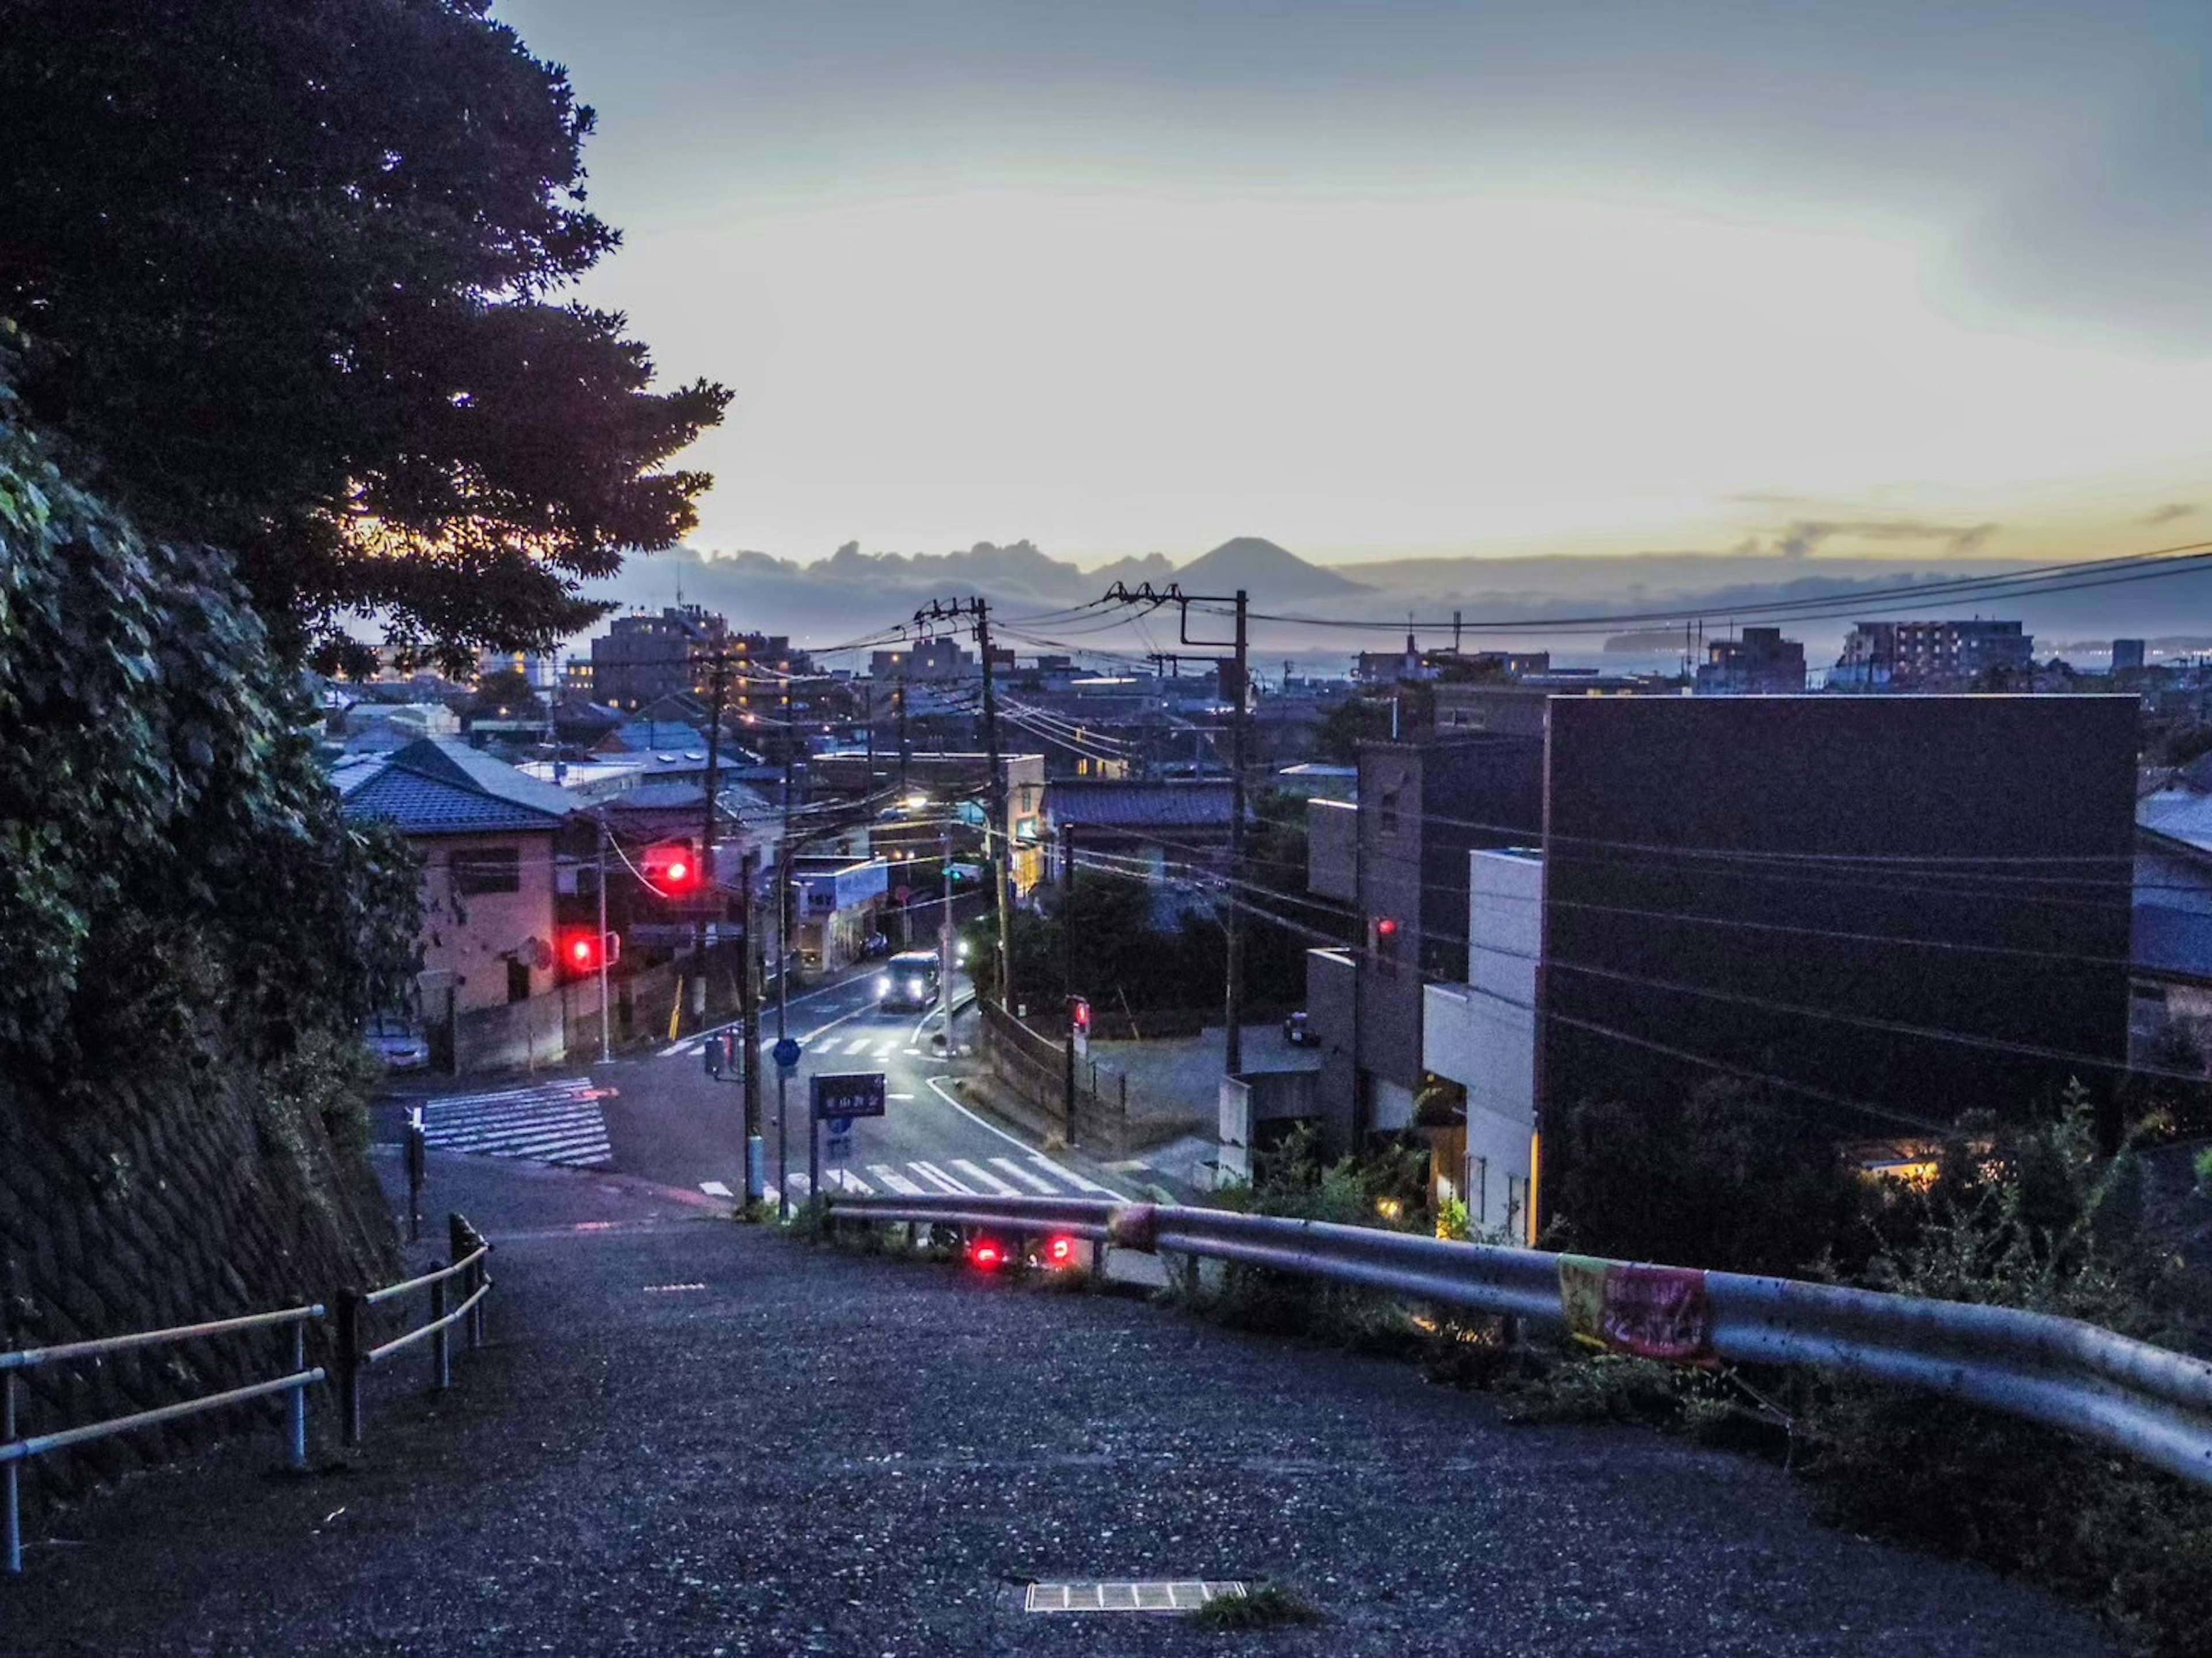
x: 171, y: 856
x: 291, y: 271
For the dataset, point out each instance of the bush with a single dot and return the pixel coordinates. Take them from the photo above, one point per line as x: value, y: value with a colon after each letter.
x: 1388, y: 1188
x: 2040, y: 1220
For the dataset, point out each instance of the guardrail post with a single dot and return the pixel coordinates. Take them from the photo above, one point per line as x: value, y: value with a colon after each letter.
x: 461, y: 1238
x: 415, y: 1159
x: 348, y: 1361
x: 441, y: 1346
x: 13, y: 1471
x: 299, y: 1445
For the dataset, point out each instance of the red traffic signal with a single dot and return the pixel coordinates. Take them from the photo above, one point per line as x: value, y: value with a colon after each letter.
x: 1079, y: 1016
x: 670, y: 870
x: 1386, y: 928
x: 587, y: 952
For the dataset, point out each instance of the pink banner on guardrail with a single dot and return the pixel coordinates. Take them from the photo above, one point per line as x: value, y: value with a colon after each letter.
x: 1652, y: 1312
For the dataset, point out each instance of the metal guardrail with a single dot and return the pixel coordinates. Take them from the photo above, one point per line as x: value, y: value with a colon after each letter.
x: 470, y: 1264
x: 471, y: 1255
x: 15, y: 1451
x: 2149, y: 1402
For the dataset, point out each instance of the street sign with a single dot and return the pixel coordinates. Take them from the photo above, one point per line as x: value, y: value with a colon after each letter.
x: 853, y: 1094
x: 786, y: 1053
x: 840, y: 1148
x: 840, y: 1126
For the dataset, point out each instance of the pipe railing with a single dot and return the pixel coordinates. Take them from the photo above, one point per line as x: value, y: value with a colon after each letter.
x: 15, y: 1451
x: 2150, y: 1402
x: 470, y: 1264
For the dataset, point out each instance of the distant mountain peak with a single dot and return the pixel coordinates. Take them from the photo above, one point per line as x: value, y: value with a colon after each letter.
x: 1266, y: 571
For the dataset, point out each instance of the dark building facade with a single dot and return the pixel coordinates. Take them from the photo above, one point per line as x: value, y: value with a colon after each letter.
x: 1762, y: 663
x: 1909, y: 654
x: 1889, y: 910
x: 1899, y: 908
x: 1399, y: 858
x: 642, y: 659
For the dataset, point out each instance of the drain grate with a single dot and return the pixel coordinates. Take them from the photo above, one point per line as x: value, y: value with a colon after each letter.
x: 1161, y: 1596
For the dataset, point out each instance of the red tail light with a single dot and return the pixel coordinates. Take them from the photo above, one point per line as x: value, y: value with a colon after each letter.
x: 986, y: 1254
x: 1060, y: 1251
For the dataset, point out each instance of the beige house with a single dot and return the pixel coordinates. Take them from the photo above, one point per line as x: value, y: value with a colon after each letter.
x: 486, y: 835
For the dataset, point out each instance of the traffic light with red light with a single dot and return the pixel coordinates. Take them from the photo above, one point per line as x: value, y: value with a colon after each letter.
x: 1079, y: 1016
x: 585, y: 953
x: 671, y: 869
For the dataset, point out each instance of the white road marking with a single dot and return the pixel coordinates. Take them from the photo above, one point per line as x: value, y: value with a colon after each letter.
x: 799, y: 1187
x: 898, y: 1182
x: 1072, y: 1178
x: 860, y: 1045
x: 1028, y: 1177
x: 940, y: 1179
x: 898, y: 1097
x: 996, y: 1185
x: 714, y: 1188
x: 1069, y: 1175
x: 845, y: 1179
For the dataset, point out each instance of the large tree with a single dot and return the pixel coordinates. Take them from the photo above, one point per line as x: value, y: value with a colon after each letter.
x: 291, y: 273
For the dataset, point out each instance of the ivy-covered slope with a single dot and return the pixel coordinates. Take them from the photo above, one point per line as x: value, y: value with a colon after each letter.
x: 189, y: 932
x: 173, y: 866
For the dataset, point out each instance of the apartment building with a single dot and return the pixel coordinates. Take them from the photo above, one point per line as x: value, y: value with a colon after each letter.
x: 1894, y: 909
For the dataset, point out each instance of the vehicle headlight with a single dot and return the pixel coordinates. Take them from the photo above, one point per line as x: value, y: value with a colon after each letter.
x: 914, y: 987
x: 882, y: 986
x: 960, y: 953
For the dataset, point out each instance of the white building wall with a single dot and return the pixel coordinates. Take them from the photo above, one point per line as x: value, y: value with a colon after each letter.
x: 1483, y: 1035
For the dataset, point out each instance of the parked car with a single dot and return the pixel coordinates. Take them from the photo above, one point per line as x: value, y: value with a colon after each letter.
x: 396, y: 1040
x: 1296, y: 1033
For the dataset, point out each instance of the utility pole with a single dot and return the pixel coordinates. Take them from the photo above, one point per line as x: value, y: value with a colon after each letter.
x: 868, y: 724
x: 603, y: 936
x: 783, y: 971
x: 1233, y: 1054
x: 720, y: 685
x: 749, y: 1034
x: 1121, y: 592
x: 944, y: 926
x: 905, y: 753
x: 1001, y: 869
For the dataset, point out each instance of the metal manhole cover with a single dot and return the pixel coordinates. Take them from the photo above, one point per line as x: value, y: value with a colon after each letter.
x: 1161, y: 1596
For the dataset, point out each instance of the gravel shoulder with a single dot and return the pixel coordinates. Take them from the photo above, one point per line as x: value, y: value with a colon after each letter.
x: 689, y: 1437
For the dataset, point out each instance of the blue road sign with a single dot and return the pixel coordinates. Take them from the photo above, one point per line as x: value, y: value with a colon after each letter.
x: 840, y: 1126
x: 853, y: 1094
x: 786, y: 1052
x: 840, y: 1148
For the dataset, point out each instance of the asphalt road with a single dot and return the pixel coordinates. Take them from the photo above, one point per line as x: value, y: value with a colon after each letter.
x: 658, y: 1115
x: 695, y: 1440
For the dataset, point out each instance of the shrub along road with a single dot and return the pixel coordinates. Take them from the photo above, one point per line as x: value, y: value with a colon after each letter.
x: 689, y: 1437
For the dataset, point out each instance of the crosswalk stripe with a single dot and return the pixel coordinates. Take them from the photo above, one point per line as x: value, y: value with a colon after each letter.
x: 845, y: 1179
x: 990, y: 1181
x: 505, y: 1122
x: 898, y: 1182
x: 799, y: 1187
x: 1025, y: 1176
x: 859, y: 1045
x: 583, y: 1159
x: 714, y: 1188
x: 939, y: 1178
x: 540, y: 1144
x: 479, y: 1128
x: 1072, y: 1177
